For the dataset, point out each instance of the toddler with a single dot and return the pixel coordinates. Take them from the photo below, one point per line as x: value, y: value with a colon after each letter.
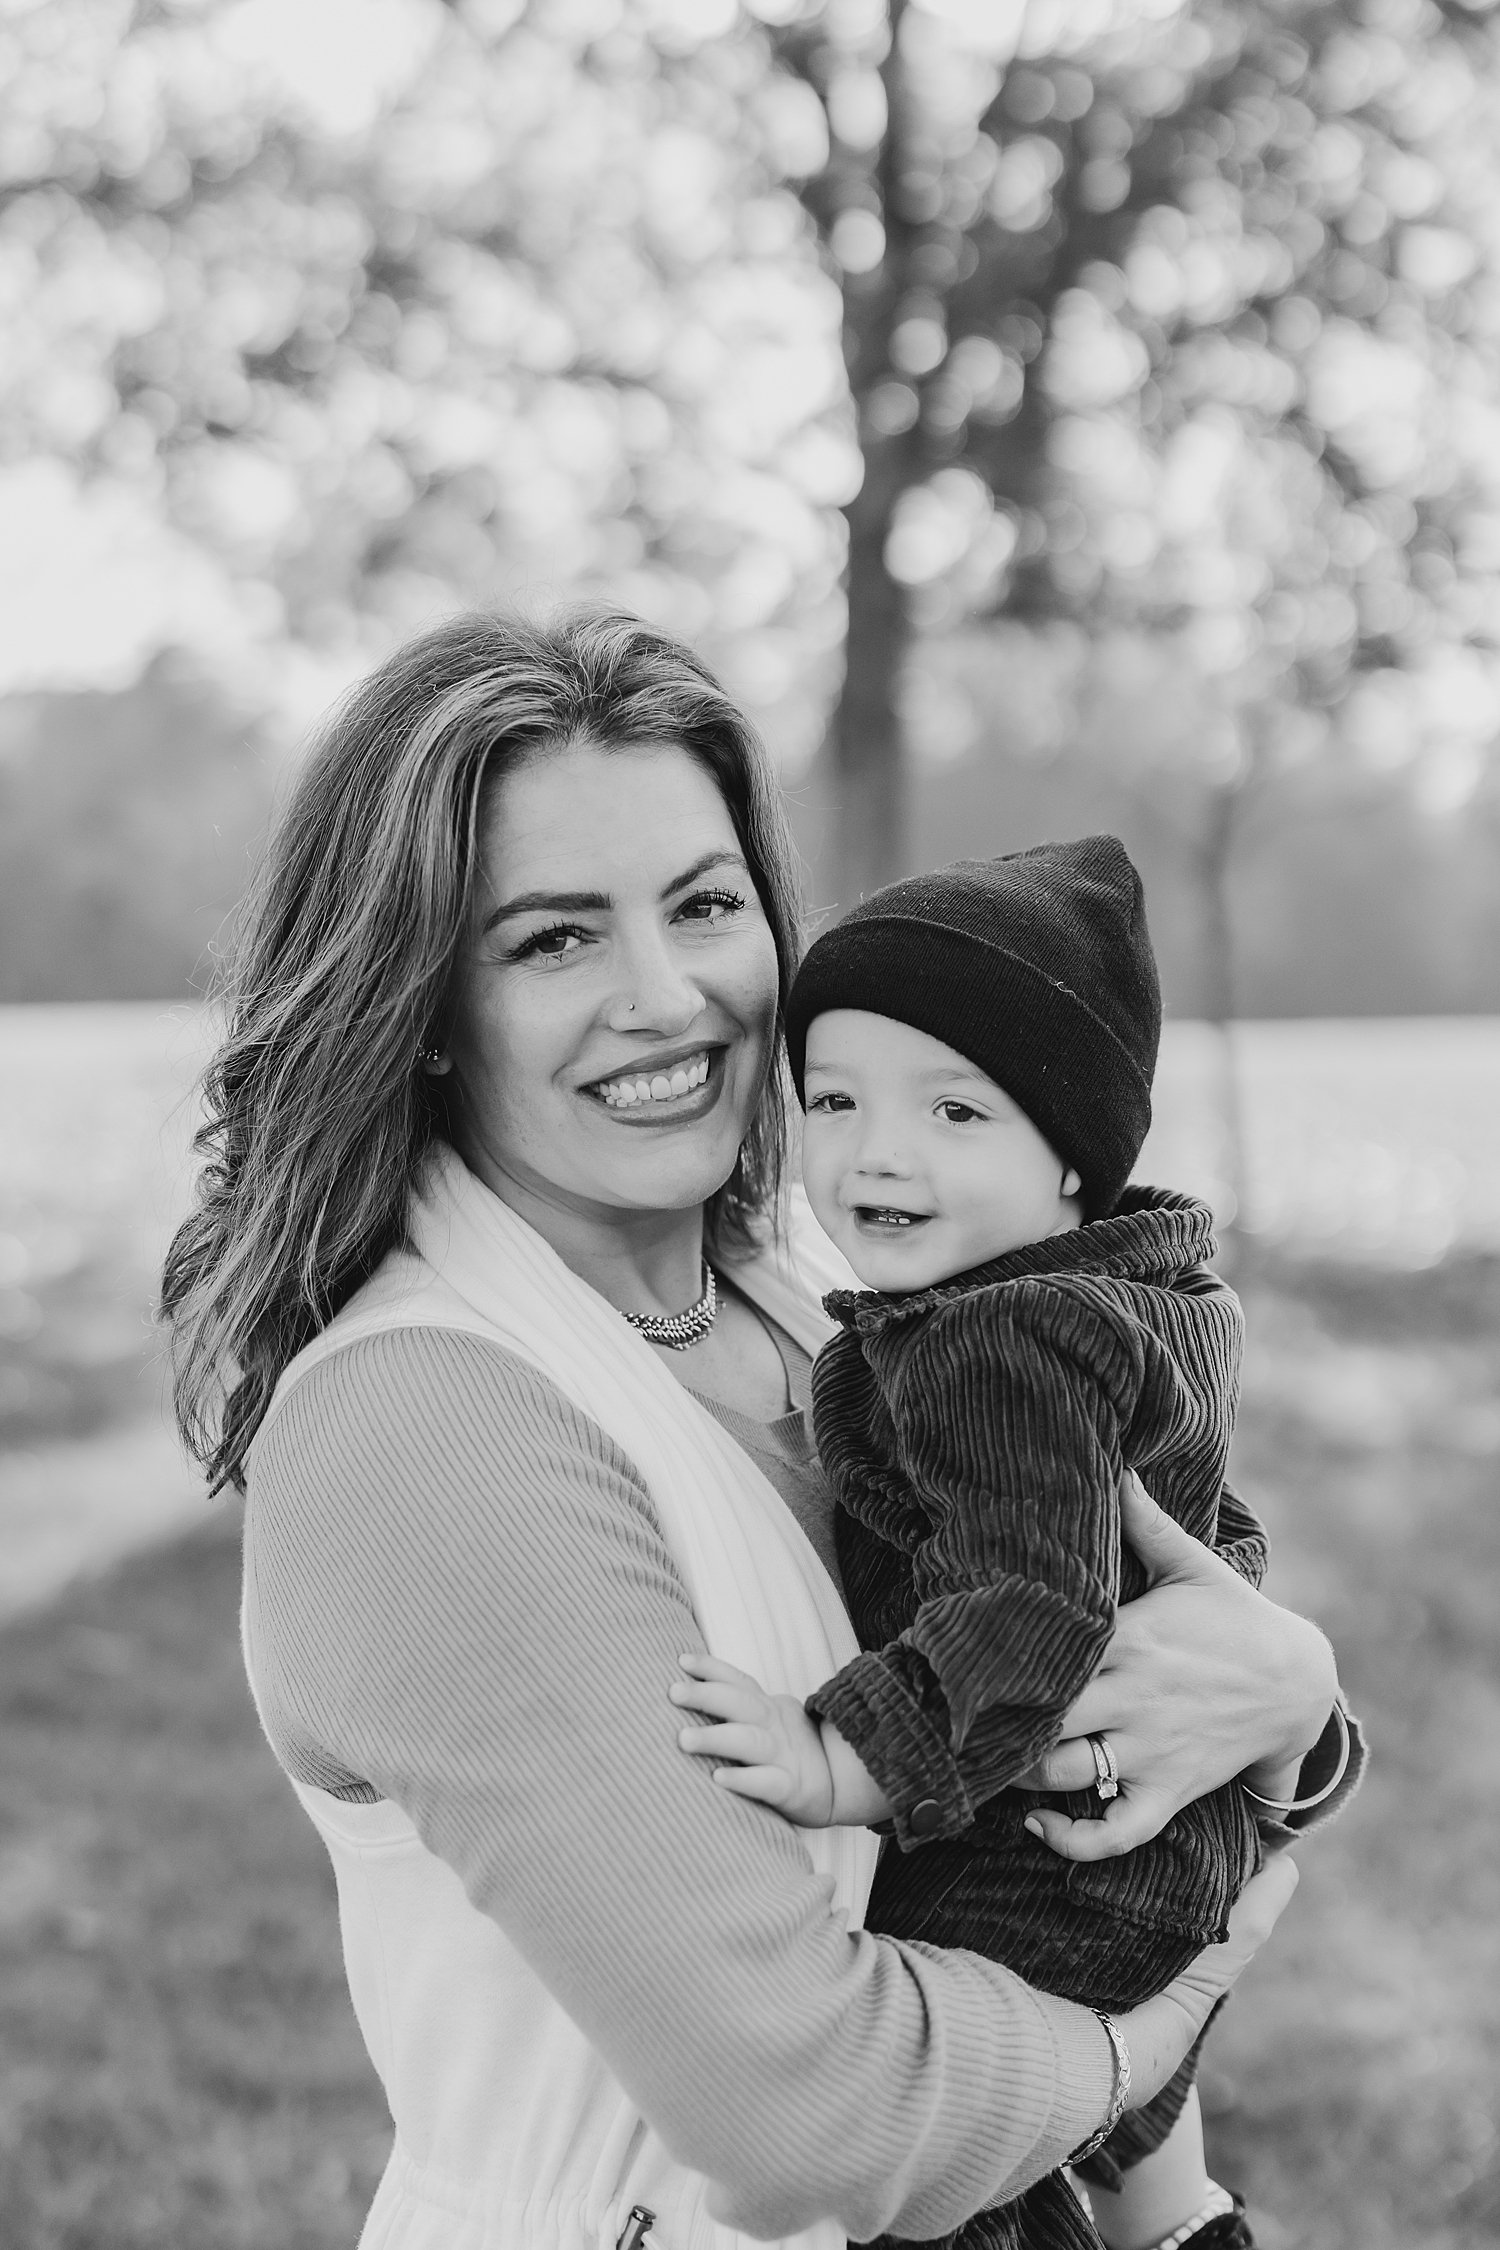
x: 974, y: 1052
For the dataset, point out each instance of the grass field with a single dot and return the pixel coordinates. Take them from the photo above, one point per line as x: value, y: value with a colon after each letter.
x: 178, y: 2065
x: 1356, y: 2088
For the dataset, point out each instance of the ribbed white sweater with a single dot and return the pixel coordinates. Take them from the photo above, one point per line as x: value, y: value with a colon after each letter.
x: 458, y: 1600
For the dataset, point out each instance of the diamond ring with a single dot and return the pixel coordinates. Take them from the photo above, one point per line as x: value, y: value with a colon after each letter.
x: 1106, y: 1772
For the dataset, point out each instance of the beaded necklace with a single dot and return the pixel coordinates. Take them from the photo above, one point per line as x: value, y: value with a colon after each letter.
x: 679, y: 1331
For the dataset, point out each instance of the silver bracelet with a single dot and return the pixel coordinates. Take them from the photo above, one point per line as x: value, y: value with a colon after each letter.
x: 1120, y: 2095
x: 1321, y: 1796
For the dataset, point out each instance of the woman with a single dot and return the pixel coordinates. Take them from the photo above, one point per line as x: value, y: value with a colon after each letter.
x: 502, y: 1069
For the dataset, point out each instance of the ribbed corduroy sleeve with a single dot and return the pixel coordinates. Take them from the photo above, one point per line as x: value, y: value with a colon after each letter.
x: 457, y: 1596
x: 1006, y: 1409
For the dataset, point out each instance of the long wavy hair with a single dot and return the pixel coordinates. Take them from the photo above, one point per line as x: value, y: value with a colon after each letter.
x: 318, y: 1113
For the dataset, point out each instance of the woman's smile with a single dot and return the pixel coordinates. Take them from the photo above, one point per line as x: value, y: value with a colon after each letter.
x: 662, y: 1089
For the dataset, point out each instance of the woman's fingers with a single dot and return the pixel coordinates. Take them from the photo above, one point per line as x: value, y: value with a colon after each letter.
x: 1066, y: 1766
x: 1202, y: 1678
x: 1167, y: 1551
x: 1130, y: 1819
x: 1262, y: 1903
x: 1252, y: 1918
x: 1160, y: 2031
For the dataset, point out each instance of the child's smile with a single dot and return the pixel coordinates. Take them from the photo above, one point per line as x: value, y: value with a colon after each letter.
x: 916, y: 1164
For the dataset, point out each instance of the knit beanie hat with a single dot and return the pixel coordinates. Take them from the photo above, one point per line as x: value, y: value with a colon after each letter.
x: 1036, y: 966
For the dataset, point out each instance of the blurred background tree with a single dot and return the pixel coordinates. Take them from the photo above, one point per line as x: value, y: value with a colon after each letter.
x: 1160, y: 464
x: 1146, y: 314
x: 383, y: 305
x: 1149, y: 312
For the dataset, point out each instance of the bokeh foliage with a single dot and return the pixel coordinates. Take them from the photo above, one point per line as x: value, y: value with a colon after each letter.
x: 383, y: 305
x: 1178, y: 322
x: 1164, y: 397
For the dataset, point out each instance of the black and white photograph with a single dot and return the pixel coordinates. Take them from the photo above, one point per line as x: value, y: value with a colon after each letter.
x: 749, y: 1124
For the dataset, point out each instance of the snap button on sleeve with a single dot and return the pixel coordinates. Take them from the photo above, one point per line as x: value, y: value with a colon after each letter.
x: 926, y: 1817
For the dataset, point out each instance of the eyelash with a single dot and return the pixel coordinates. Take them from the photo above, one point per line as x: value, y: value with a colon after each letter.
x: 530, y: 947
x: 732, y: 900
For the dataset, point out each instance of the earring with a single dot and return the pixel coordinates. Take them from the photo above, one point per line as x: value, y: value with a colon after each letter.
x: 1071, y: 1183
x: 434, y: 1061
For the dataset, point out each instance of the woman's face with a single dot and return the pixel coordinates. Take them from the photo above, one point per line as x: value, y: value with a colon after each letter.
x: 617, y: 1002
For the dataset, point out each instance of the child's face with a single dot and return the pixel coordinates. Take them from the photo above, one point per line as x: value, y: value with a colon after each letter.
x: 915, y: 1163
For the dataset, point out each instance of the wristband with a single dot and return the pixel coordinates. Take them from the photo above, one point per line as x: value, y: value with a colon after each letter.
x: 1320, y: 1796
x: 1120, y: 2094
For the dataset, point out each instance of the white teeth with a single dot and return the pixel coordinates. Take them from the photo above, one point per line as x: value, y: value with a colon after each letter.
x: 625, y: 1093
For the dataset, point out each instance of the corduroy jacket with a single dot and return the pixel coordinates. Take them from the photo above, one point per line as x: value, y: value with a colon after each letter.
x: 976, y: 1434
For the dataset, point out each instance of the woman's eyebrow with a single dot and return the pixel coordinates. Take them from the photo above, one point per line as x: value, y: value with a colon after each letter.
x: 600, y: 902
x: 550, y: 902
x: 701, y: 866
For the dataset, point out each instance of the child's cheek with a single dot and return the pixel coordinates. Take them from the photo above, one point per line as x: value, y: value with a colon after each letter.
x: 819, y: 1172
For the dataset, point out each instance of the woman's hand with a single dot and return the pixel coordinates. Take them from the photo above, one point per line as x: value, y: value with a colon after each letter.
x: 1203, y: 1680
x: 1159, y: 2033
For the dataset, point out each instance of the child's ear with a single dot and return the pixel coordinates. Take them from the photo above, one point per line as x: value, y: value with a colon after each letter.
x: 1072, y: 1184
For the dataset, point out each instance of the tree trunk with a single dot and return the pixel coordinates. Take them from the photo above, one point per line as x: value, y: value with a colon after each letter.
x: 1216, y: 851
x: 866, y: 751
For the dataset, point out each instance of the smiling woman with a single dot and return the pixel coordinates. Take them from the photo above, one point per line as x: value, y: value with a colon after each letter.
x: 609, y: 1039
x: 490, y: 1303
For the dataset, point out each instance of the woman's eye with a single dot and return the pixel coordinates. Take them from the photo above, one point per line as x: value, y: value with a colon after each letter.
x: 957, y: 1113
x: 827, y: 1104
x: 707, y: 908
x: 553, y: 944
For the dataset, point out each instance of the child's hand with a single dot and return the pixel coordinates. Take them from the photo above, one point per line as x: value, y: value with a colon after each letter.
x: 775, y: 1750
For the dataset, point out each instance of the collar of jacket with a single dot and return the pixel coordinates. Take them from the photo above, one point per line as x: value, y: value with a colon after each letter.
x: 1151, y: 1234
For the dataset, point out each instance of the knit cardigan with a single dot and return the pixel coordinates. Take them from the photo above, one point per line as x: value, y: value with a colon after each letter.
x: 461, y: 1619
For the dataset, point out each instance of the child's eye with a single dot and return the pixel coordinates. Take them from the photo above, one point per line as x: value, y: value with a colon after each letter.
x: 555, y: 943
x: 827, y: 1104
x: 706, y: 908
x: 958, y: 1113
